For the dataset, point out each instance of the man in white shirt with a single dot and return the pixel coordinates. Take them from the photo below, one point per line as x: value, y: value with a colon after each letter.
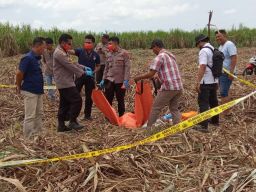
x: 229, y: 50
x: 206, y: 84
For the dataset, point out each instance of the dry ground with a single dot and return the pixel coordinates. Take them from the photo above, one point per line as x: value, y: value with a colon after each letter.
x: 189, y: 161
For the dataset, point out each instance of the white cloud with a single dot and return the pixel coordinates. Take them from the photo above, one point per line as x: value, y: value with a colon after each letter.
x: 117, y: 15
x: 4, y: 3
x: 230, y: 11
x: 37, y: 24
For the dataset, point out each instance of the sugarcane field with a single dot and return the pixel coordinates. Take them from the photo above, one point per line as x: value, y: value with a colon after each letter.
x: 127, y: 111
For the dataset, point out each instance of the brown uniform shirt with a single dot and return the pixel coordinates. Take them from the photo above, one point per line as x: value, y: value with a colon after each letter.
x: 64, y: 70
x: 118, y: 66
x: 102, y: 50
x: 48, y: 62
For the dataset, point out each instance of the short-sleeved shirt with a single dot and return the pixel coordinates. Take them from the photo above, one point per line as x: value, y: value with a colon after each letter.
x: 228, y: 49
x: 33, y: 81
x: 168, y: 72
x: 88, y: 60
x: 205, y: 58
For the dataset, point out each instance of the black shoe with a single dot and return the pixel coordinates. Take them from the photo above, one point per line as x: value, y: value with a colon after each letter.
x: 201, y: 129
x: 215, y: 124
x: 63, y: 128
x: 75, y: 126
x: 87, y: 118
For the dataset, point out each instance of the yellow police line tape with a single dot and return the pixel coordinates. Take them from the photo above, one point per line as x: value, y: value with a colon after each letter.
x: 239, y: 79
x: 14, y: 86
x: 160, y: 135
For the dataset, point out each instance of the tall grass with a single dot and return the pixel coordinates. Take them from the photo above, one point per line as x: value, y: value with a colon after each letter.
x: 14, y: 39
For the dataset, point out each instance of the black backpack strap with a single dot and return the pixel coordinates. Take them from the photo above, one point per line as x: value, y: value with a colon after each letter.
x: 212, y: 52
x: 209, y: 48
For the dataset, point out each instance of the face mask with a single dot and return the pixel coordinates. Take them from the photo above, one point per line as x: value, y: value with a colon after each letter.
x: 88, y: 46
x: 67, y: 47
x: 110, y: 47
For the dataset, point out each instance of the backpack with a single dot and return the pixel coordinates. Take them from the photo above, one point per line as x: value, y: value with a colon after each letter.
x: 217, y: 62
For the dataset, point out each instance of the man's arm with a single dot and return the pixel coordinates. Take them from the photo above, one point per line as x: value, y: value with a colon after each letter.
x: 97, y: 67
x: 77, y: 69
x: 232, y: 50
x: 200, y: 75
x: 127, y: 66
x: 23, y: 67
x: 148, y: 75
x: 72, y: 52
x: 233, y: 64
x: 105, y: 70
x: 18, y: 80
x: 43, y: 59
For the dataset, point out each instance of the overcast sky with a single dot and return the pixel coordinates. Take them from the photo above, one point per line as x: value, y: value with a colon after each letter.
x: 128, y: 15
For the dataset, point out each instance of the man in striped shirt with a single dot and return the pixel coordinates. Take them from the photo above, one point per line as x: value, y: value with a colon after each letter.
x: 171, y: 85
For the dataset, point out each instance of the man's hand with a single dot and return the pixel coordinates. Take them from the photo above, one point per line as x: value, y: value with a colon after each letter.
x: 197, y: 87
x: 126, y: 84
x: 18, y: 89
x: 136, y: 79
x: 18, y: 80
x: 231, y: 77
x: 102, y: 84
x: 89, y: 73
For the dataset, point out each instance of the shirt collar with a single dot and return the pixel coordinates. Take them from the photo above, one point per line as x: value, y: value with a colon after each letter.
x: 33, y: 54
x: 61, y: 49
x: 119, y: 50
x: 162, y: 50
x: 206, y: 44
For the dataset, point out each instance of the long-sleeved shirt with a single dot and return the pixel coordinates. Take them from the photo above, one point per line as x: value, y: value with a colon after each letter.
x: 102, y: 50
x: 64, y: 70
x: 48, y: 62
x: 118, y: 66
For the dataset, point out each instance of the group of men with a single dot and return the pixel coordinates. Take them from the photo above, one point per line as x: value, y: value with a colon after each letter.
x: 207, y: 84
x: 108, y: 65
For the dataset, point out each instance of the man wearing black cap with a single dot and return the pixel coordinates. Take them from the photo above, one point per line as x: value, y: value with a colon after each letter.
x: 171, y: 85
x: 102, y: 50
x: 206, y: 84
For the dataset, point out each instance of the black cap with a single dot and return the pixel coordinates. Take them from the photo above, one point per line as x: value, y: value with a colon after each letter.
x: 200, y: 38
x: 157, y: 42
x: 106, y: 36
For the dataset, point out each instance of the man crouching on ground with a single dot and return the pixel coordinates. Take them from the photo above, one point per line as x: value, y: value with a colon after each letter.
x: 171, y: 89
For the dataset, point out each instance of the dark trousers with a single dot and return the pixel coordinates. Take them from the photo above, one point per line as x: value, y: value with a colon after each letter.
x: 89, y: 84
x: 99, y: 74
x: 70, y: 104
x: 207, y: 99
x: 112, y: 89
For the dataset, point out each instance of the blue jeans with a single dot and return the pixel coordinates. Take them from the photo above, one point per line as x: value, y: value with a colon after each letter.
x: 225, y: 84
x: 51, y: 92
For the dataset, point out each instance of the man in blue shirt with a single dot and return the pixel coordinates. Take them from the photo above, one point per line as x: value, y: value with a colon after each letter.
x: 229, y: 50
x: 90, y: 59
x: 29, y: 82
